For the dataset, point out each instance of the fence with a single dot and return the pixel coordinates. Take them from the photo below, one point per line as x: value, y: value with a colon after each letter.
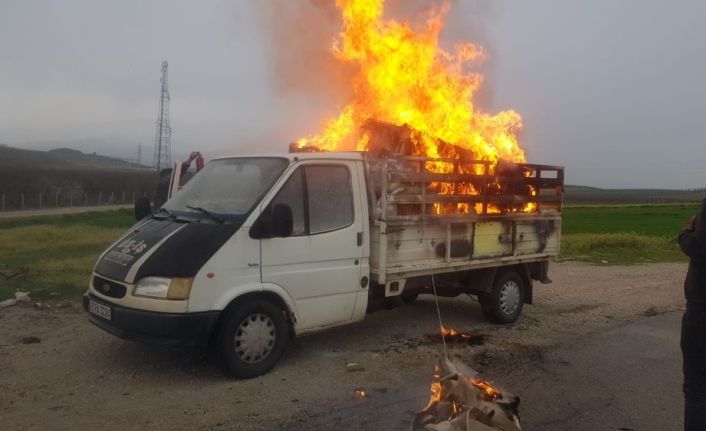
x: 62, y: 199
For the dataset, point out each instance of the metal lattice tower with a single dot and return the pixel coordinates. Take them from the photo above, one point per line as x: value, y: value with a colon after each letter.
x: 163, y: 138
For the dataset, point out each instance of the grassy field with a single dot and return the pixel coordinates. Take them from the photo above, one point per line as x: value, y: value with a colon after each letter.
x: 624, y: 234
x: 59, y: 252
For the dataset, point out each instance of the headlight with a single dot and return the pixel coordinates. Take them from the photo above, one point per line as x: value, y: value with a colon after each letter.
x: 165, y: 288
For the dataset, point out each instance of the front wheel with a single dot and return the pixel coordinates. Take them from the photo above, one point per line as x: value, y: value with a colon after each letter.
x: 503, y: 304
x: 252, y: 338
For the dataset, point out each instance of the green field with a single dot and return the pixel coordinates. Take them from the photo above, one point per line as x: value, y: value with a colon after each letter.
x: 624, y: 234
x: 59, y: 252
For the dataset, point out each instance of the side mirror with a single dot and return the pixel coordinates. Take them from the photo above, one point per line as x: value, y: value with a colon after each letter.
x: 282, y: 222
x: 275, y: 222
x: 142, y: 208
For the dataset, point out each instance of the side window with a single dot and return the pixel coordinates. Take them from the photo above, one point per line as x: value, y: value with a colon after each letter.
x: 330, y: 198
x: 292, y: 194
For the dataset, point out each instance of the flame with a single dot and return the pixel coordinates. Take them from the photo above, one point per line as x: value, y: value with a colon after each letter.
x: 448, y: 332
x: 437, y: 393
x: 360, y: 393
x: 451, y: 333
x: 488, y: 390
x: 405, y: 77
x: 435, y: 387
x: 455, y: 409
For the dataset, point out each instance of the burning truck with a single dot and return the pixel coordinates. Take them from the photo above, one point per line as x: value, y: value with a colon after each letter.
x: 254, y: 250
x: 411, y: 190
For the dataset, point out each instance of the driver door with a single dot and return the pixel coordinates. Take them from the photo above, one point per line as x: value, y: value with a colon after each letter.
x: 319, y: 264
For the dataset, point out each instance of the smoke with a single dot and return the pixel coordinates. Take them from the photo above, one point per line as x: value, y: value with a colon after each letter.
x: 300, y: 36
x: 472, y: 21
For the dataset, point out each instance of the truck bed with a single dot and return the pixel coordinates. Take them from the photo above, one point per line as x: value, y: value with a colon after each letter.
x: 470, y: 217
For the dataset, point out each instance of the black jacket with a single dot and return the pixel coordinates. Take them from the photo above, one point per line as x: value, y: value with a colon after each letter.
x: 693, y: 244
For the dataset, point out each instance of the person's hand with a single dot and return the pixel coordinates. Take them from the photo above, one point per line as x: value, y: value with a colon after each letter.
x: 691, y: 224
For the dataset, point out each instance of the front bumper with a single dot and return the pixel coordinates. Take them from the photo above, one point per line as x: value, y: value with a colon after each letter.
x: 174, y: 329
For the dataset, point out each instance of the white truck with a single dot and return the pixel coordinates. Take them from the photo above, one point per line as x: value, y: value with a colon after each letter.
x: 255, y: 250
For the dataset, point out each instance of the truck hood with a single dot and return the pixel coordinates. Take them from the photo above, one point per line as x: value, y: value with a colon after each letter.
x: 164, y: 248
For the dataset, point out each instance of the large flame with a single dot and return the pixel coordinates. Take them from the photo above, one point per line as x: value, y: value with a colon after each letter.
x: 405, y: 77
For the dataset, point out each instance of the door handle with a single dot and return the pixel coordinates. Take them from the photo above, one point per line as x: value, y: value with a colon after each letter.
x: 360, y: 238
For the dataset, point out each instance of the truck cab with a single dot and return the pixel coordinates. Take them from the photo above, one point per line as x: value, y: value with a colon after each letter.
x: 248, y: 253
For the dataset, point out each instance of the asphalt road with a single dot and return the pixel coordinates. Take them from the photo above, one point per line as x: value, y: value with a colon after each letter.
x: 625, y: 379
x: 628, y: 378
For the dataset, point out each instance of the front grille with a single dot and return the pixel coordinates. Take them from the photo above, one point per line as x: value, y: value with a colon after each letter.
x: 108, y: 288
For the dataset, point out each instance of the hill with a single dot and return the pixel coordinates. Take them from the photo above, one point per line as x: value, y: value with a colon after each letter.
x: 62, y: 158
x: 593, y: 195
x: 62, y: 177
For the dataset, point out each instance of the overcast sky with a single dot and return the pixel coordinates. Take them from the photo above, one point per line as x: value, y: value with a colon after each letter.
x: 613, y: 90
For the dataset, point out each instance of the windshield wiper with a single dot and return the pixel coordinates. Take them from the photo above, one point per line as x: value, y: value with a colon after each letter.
x: 208, y: 213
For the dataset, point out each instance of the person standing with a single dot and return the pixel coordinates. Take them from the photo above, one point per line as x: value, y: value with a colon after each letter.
x: 692, y: 241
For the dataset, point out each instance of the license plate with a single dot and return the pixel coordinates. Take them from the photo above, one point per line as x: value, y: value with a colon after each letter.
x: 99, y: 309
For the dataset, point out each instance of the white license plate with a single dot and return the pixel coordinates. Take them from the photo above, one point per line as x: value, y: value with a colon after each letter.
x: 99, y: 309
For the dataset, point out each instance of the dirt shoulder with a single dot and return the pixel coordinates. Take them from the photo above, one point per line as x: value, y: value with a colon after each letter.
x: 77, y: 376
x: 60, y: 211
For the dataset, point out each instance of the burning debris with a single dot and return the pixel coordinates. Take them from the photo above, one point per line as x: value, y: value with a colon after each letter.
x: 461, y: 401
x: 452, y: 336
x: 410, y: 97
x: 456, y: 183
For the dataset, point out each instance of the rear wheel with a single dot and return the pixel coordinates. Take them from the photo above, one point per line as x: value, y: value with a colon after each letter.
x: 503, y: 304
x: 252, y: 338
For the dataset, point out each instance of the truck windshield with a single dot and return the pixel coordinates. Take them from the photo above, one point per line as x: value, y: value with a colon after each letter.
x: 228, y: 187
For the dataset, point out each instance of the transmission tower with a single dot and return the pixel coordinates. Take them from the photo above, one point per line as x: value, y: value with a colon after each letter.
x: 163, y: 138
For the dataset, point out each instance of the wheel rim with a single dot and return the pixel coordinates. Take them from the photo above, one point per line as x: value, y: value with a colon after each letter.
x: 509, y: 297
x: 255, y: 338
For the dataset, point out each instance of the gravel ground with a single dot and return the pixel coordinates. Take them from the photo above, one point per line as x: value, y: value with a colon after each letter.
x: 77, y: 376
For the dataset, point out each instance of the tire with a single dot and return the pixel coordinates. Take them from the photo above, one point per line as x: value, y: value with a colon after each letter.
x: 485, y: 306
x: 503, y: 304
x: 252, y: 338
x: 409, y: 297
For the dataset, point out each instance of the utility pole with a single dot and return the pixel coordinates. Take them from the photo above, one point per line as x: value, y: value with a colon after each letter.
x: 163, y: 137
